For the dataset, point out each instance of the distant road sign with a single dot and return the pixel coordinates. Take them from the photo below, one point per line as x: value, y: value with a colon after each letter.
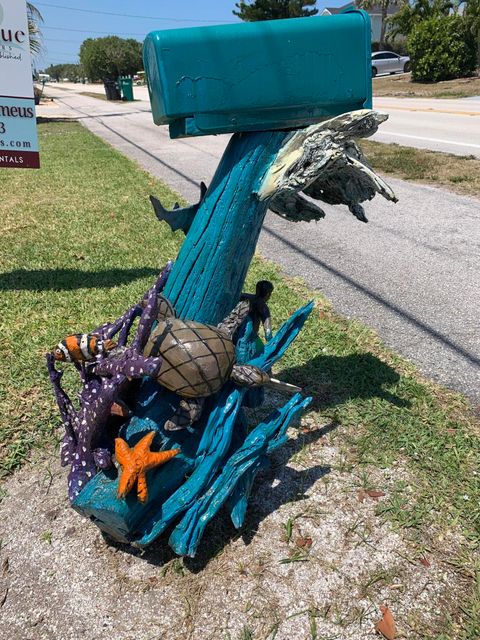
x: 18, y: 127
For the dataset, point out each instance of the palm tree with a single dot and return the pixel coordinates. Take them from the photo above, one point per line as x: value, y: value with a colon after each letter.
x: 34, y: 19
x: 472, y: 16
x: 402, y: 23
x: 383, y: 5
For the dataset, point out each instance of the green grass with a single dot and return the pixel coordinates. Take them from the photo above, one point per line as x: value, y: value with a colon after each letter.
x: 80, y: 243
x: 455, y: 173
x: 401, y: 86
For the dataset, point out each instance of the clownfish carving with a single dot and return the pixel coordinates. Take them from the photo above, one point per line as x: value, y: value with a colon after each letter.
x: 82, y: 347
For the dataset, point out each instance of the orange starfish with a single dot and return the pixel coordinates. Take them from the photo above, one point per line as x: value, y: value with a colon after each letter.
x: 136, y: 461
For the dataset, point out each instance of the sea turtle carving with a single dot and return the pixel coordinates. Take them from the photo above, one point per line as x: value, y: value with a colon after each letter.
x: 194, y: 360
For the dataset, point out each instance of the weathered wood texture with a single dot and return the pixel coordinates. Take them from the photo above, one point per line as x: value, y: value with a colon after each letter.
x: 208, y: 276
x: 218, y: 460
x: 324, y: 162
x: 214, y: 457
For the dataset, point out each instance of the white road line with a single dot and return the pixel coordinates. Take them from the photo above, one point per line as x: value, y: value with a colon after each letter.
x: 406, y: 135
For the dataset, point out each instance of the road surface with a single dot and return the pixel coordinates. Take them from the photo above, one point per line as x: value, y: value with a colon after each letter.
x: 412, y: 273
x: 452, y: 126
x: 432, y: 123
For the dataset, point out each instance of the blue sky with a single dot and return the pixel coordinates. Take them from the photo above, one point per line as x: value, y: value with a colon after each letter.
x: 65, y: 29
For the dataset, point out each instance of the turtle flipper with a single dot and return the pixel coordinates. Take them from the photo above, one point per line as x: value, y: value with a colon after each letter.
x: 189, y: 410
x: 247, y: 375
x: 230, y: 324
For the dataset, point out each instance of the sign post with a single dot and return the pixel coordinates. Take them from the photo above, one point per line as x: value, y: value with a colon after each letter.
x: 18, y: 130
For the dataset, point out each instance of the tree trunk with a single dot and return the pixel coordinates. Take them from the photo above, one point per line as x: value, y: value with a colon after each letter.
x: 210, y: 270
x: 383, y: 26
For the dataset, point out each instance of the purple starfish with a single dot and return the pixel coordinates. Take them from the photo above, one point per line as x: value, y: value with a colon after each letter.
x: 84, y: 428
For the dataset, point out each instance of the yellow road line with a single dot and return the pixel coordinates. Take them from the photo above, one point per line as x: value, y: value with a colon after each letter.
x: 431, y: 110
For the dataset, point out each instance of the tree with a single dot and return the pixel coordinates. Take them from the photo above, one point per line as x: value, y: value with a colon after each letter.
x: 472, y: 18
x: 383, y: 5
x: 110, y: 57
x: 411, y: 13
x: 274, y: 9
x: 442, y: 48
x: 34, y: 18
x: 73, y: 72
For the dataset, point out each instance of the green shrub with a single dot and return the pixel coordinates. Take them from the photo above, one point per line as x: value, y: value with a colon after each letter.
x: 441, y: 48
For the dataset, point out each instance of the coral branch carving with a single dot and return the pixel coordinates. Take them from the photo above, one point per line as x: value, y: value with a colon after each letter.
x: 84, y: 445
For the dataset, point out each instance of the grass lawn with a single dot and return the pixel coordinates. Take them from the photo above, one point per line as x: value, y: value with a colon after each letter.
x: 401, y: 86
x: 80, y: 243
x: 460, y: 174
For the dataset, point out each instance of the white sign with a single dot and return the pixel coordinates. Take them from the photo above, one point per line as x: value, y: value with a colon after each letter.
x: 18, y: 129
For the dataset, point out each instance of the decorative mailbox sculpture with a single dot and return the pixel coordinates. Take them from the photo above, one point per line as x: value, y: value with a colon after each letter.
x: 167, y: 405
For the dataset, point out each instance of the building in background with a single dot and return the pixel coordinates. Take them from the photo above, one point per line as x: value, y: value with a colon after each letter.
x: 375, y: 14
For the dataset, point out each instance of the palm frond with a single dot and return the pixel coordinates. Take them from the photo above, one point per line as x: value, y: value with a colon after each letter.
x: 34, y: 32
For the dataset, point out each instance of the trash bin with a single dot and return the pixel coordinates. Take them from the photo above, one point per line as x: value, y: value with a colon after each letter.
x: 126, y: 87
x: 111, y: 90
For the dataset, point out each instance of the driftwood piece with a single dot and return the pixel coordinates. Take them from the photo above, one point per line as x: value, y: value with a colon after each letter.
x: 212, y: 264
x: 264, y: 439
x: 324, y: 162
x: 295, y: 207
x: 204, y: 453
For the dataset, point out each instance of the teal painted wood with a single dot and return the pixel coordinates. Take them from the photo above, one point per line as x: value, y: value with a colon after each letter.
x: 259, y: 76
x: 204, y: 453
x: 265, y: 438
x: 204, y: 285
x: 218, y: 433
x: 248, y: 346
x: 237, y: 502
x: 209, y: 273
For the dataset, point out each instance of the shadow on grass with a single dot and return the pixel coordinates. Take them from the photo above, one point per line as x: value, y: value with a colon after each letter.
x: 69, y: 279
x: 332, y: 380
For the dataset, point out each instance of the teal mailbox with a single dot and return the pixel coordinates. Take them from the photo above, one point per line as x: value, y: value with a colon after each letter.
x: 259, y: 76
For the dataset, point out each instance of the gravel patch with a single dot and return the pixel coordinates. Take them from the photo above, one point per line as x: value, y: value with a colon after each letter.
x: 313, y: 561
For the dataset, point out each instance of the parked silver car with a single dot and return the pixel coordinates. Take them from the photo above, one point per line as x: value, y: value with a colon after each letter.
x: 389, y: 62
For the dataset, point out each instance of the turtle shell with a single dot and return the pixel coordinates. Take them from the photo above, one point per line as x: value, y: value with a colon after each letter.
x: 197, y: 358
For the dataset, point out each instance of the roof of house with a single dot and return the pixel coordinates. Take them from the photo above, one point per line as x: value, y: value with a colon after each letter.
x: 330, y: 11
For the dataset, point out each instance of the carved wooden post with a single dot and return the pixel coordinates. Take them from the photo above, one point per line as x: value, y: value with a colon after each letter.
x: 262, y: 79
x: 280, y: 88
x: 210, y: 270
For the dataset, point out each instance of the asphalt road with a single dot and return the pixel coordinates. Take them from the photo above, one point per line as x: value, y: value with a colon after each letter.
x: 442, y: 125
x: 412, y: 273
